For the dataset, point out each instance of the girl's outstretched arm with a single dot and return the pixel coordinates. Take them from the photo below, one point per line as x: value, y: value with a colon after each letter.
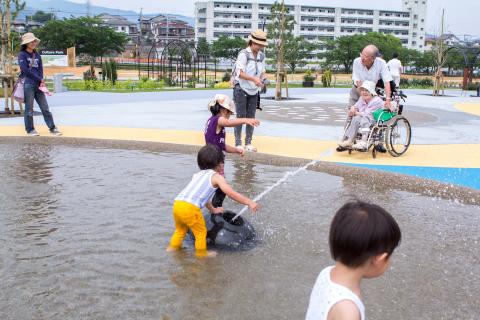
x: 230, y: 149
x: 218, y: 180
x: 224, y: 122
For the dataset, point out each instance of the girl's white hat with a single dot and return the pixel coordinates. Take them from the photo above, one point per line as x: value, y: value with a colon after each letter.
x: 369, y: 86
x: 224, y: 101
x: 29, y: 37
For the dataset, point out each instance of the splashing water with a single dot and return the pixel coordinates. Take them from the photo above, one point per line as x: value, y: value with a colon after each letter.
x: 287, y: 175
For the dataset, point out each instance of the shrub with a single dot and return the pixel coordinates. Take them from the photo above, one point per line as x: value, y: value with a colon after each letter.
x: 422, y: 83
x: 226, y: 77
x: 404, y: 82
x: 89, y: 75
x: 191, y: 81
x: 222, y: 85
x: 473, y: 86
x: 327, y: 78
x: 114, y: 74
x: 308, y: 77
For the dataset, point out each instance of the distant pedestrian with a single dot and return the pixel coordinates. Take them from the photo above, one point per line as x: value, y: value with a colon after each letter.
x: 396, y: 69
x: 249, y: 80
x: 31, y: 67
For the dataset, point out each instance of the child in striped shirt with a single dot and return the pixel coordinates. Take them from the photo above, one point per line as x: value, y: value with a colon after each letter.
x: 197, y: 194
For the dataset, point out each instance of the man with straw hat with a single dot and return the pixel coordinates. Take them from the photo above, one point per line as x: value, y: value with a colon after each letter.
x: 249, y: 80
x: 31, y: 67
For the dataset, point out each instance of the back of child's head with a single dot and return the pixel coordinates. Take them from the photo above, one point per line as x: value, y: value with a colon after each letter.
x: 215, y: 109
x: 360, y: 231
x: 209, y: 157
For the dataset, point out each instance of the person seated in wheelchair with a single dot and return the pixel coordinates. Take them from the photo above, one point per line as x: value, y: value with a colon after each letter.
x: 361, y: 117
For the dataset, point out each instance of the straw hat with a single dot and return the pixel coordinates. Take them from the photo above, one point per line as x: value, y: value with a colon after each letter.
x: 29, y: 37
x: 369, y: 86
x: 258, y: 36
x: 224, y: 101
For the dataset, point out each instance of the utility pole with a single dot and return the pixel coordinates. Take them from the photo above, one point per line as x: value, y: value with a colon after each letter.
x: 52, y: 15
x: 88, y: 8
x: 139, y: 41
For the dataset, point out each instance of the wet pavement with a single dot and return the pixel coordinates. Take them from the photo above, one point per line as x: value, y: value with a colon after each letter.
x: 84, y: 229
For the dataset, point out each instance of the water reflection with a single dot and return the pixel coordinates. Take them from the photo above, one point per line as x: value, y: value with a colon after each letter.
x: 35, y: 200
x: 244, y: 174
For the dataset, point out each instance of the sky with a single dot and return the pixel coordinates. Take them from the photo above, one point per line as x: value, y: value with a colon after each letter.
x: 462, y: 17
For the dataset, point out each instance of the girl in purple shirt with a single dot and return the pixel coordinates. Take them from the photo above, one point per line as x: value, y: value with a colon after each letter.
x: 222, y: 107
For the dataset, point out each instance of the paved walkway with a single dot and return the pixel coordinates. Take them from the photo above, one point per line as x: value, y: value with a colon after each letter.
x: 445, y: 139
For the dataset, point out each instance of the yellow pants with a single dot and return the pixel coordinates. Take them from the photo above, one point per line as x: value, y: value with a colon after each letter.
x: 188, y: 216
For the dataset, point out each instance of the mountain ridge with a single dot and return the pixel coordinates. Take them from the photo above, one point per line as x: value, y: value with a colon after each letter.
x: 66, y: 9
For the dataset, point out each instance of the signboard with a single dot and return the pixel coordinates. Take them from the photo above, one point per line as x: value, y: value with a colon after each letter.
x: 54, y: 58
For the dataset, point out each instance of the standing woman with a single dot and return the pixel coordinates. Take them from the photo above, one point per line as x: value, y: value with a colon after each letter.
x: 249, y: 76
x: 31, y: 67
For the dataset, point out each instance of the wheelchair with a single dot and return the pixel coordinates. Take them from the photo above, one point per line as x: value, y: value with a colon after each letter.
x: 391, y: 129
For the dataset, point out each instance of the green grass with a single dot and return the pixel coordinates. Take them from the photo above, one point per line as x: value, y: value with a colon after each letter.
x: 167, y: 89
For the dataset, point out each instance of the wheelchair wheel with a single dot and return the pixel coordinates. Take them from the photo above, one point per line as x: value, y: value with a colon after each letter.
x: 399, y: 134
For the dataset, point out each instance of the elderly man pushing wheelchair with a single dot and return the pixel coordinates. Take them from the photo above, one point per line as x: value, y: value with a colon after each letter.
x: 369, y: 67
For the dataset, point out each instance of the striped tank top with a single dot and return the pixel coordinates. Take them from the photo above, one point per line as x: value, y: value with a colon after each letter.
x: 326, y: 294
x: 200, y: 190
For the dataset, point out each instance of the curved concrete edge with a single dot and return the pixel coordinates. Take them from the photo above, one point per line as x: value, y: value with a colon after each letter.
x: 446, y: 155
x: 471, y: 108
x: 383, y: 181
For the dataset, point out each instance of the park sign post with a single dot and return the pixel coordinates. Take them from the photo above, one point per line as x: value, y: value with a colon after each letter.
x: 54, y: 58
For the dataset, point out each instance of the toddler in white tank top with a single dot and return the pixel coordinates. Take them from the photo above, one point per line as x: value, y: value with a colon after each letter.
x: 362, y: 238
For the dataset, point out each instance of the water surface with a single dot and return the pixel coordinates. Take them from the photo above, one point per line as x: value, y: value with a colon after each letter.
x: 83, y: 233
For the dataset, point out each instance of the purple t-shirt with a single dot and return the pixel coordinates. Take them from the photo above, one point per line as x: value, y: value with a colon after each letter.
x: 211, y: 135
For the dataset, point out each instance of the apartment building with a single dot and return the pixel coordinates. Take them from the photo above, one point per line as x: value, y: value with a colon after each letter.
x: 214, y: 18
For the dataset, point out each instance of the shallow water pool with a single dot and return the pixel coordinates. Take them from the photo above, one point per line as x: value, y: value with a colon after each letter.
x: 83, y: 233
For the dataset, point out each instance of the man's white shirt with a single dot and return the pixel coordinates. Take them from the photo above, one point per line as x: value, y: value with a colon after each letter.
x: 377, y: 71
x: 395, y: 67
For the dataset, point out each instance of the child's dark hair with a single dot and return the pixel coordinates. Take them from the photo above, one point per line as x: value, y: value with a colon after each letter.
x: 209, y: 157
x: 360, y: 231
x: 216, y: 109
x: 395, y: 55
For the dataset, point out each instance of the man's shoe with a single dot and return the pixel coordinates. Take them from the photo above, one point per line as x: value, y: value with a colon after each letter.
x: 33, y: 133
x: 380, y: 148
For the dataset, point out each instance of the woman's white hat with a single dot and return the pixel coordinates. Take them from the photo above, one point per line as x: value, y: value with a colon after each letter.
x: 258, y: 36
x: 369, y: 86
x: 29, y: 37
x: 224, y: 101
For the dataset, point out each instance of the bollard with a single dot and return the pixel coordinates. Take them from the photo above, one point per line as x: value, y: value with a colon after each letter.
x: 58, y: 82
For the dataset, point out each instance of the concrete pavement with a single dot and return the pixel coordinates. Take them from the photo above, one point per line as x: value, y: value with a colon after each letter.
x: 445, y: 130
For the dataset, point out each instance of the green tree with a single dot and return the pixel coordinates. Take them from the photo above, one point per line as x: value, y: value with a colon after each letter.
x: 203, y: 47
x: 88, y: 35
x: 42, y: 17
x: 297, y: 50
x: 228, y: 47
x: 9, y: 10
x: 343, y: 50
x: 279, y: 30
x: 387, y: 44
x: 455, y: 61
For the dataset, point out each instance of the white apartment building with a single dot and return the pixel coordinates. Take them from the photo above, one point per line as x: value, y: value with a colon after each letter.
x: 214, y: 18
